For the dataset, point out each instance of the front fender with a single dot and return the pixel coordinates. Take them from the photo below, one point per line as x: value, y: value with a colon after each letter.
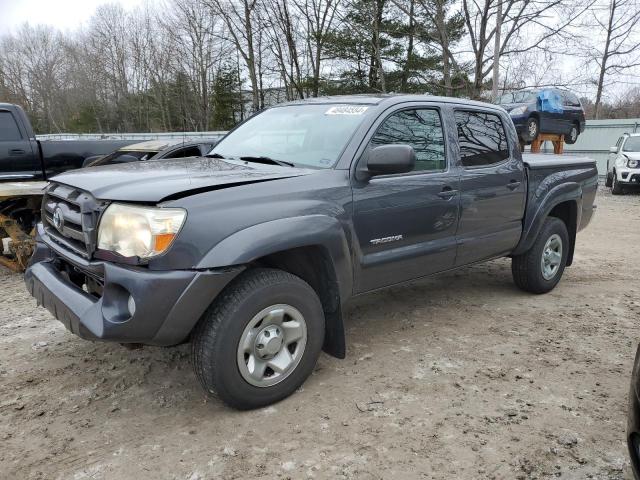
x: 545, y: 200
x: 263, y: 239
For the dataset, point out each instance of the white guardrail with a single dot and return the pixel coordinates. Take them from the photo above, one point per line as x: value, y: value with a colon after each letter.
x: 131, y: 136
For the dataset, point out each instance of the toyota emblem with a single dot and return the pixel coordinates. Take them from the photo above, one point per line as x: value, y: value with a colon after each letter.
x: 58, y: 219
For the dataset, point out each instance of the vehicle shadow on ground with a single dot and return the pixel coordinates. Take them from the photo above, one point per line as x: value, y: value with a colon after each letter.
x: 106, y: 376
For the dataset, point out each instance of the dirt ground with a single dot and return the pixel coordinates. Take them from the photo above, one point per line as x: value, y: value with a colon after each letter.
x: 461, y: 376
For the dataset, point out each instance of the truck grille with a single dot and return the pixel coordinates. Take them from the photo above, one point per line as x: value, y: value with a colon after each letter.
x: 70, y: 218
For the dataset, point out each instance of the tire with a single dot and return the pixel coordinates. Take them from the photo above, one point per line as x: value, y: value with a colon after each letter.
x: 608, y: 181
x: 533, y: 129
x: 572, y: 136
x: 616, y: 186
x: 528, y: 270
x: 216, y: 350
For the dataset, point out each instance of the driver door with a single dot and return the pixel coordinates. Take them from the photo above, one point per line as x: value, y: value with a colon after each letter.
x: 406, y: 223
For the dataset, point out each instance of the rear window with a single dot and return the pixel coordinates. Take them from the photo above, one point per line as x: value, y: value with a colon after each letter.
x: 8, y: 128
x: 571, y: 99
x: 482, y: 138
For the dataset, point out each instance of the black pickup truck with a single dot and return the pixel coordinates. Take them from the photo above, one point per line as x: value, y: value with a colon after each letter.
x: 25, y: 165
x: 251, y: 252
x: 22, y: 157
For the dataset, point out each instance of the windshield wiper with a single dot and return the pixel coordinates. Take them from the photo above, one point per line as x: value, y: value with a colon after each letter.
x: 214, y: 155
x: 272, y: 161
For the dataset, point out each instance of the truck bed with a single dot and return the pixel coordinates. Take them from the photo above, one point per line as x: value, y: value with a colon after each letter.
x: 555, y: 177
x: 536, y: 161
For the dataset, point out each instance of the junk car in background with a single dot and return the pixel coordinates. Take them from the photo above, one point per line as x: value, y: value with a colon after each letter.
x: 153, y: 150
x: 547, y: 110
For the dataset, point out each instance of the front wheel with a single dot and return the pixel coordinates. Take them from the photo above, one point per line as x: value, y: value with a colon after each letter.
x: 608, y: 181
x: 533, y: 129
x: 539, y: 270
x: 259, y: 340
x: 573, y: 135
x: 616, y: 186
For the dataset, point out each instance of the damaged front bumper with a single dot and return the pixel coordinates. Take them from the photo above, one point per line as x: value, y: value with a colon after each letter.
x: 107, y: 301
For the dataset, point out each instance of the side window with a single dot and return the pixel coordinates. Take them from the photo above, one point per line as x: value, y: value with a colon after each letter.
x: 185, y: 152
x: 191, y: 152
x: 482, y: 138
x: 420, y: 128
x: 8, y: 128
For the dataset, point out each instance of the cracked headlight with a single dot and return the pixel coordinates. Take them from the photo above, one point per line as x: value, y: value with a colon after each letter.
x: 134, y: 231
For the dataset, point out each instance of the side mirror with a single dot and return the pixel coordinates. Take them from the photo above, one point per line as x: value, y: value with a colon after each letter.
x: 387, y: 160
x: 613, y: 149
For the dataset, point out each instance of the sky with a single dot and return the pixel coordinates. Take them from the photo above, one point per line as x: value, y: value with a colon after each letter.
x: 63, y: 14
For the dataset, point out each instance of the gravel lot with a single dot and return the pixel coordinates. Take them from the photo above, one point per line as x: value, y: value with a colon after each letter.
x: 461, y: 376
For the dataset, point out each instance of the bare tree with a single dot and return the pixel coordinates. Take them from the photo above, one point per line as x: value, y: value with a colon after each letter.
x: 195, y: 31
x: 620, y: 50
x: 242, y: 18
x: 187, y: 64
x: 33, y: 63
x: 286, y: 35
x: 320, y: 17
x: 525, y: 25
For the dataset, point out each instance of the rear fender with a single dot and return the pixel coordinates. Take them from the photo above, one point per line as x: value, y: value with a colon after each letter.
x: 546, y: 200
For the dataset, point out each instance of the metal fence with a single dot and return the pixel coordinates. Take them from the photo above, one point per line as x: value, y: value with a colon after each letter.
x: 131, y: 136
x: 594, y: 142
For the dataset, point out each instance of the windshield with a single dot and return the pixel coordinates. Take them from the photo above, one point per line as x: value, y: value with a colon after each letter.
x: 305, y: 135
x: 632, y: 145
x: 518, y: 97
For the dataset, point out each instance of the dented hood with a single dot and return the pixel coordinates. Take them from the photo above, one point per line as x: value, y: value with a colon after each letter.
x: 157, y: 180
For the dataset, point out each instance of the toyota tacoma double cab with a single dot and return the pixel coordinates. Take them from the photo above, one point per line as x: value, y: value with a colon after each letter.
x: 251, y: 252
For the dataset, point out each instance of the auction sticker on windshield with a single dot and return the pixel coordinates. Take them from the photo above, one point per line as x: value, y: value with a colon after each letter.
x: 346, y: 110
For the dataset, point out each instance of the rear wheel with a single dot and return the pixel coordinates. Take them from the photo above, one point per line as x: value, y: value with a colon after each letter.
x: 259, y: 340
x: 571, y: 138
x: 539, y: 270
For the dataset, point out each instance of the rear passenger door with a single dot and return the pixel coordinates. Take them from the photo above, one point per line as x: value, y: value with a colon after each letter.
x: 17, y: 159
x: 405, y: 223
x: 492, y: 187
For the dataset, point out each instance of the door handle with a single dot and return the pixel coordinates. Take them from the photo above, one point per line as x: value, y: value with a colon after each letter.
x: 512, y: 185
x: 447, y: 193
x: 16, y: 151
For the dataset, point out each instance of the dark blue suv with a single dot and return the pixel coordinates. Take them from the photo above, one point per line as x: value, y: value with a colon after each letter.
x: 547, y: 110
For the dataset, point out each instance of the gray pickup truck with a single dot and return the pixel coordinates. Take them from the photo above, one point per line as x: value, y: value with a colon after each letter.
x: 251, y: 252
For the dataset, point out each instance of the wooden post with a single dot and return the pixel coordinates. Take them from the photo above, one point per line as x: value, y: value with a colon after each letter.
x: 557, y: 140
